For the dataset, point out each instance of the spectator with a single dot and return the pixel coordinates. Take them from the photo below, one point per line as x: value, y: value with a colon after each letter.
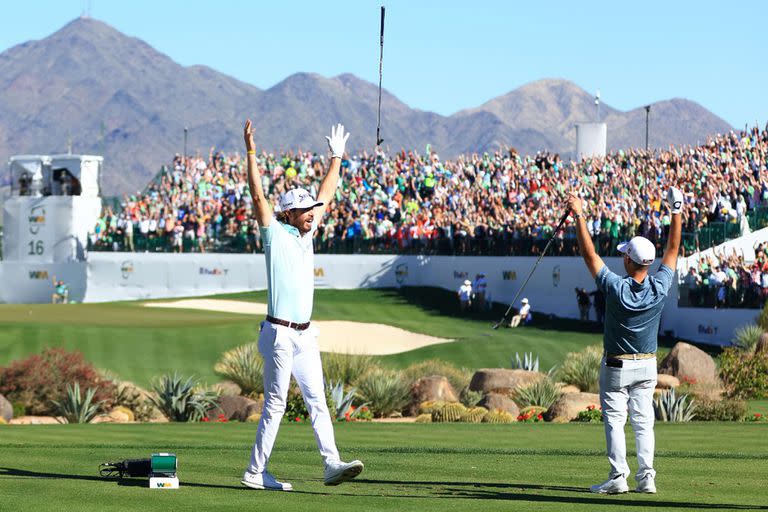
x: 465, y: 296
x: 480, y: 287
x: 582, y: 298
x: 523, y: 315
x: 60, y: 292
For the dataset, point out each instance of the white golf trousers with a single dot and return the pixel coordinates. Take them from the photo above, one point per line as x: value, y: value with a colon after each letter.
x: 287, y: 351
x: 630, y: 386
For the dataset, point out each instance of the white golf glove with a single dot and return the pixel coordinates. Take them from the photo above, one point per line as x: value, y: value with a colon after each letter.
x: 337, y: 140
x: 675, y: 200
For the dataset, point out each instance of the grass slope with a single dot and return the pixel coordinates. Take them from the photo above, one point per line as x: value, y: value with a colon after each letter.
x: 408, y: 467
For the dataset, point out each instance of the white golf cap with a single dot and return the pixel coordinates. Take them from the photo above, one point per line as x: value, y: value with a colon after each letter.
x: 639, y: 249
x: 525, y: 301
x: 467, y: 282
x: 297, y: 198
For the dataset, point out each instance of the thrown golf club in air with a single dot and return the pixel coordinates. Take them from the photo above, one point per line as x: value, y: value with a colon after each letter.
x: 519, y: 291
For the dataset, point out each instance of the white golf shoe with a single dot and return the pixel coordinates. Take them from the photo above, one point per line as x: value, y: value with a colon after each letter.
x: 616, y: 485
x: 338, y: 472
x: 264, y: 481
x: 646, y: 485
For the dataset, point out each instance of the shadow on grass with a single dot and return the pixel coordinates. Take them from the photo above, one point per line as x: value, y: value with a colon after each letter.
x: 124, y: 482
x: 434, y: 490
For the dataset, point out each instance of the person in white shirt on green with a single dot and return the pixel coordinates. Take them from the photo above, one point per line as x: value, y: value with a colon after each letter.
x: 288, y: 342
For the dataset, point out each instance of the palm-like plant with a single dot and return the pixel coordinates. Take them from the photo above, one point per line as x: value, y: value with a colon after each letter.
x: 77, y: 408
x: 670, y: 407
x: 179, y: 399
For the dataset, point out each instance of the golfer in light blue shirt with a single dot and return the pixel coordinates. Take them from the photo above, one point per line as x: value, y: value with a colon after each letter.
x: 628, y: 370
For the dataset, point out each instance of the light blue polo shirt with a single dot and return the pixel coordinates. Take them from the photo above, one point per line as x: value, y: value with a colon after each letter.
x: 290, y: 271
x: 633, y: 310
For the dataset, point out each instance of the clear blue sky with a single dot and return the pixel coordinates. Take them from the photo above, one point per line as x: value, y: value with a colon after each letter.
x: 444, y: 56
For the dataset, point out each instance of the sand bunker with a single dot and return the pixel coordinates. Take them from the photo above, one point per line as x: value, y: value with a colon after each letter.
x: 335, y: 335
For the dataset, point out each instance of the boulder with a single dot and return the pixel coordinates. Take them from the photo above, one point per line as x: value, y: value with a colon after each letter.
x: 37, y: 420
x: 762, y: 344
x: 569, y: 388
x: 235, y: 408
x: 502, y: 380
x: 664, y: 381
x: 493, y: 401
x: 568, y: 406
x: 6, y: 409
x: 122, y: 414
x: 690, y: 364
x: 435, y: 388
x: 228, y: 388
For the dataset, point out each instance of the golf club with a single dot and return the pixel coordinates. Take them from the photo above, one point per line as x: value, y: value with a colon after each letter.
x: 519, y: 291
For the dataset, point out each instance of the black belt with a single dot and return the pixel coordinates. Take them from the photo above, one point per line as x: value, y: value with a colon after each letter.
x: 286, y: 323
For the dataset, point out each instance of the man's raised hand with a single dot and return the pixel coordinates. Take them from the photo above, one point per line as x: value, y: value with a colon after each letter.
x: 248, y: 135
x: 575, y: 204
x: 675, y: 200
x: 337, y: 141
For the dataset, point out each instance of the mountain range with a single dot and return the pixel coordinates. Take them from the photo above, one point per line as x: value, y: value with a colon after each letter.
x: 91, y: 88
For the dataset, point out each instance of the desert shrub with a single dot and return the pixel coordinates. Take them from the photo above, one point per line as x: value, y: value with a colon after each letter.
x: 386, y: 391
x: 669, y: 406
x: 592, y: 414
x: 341, y: 403
x: 458, y: 377
x: 470, y: 398
x: 747, y: 337
x: 295, y: 408
x: 77, y: 407
x: 542, y: 393
x: 179, y: 399
x: 744, y: 375
x: 346, y: 368
x: 721, y: 410
x: 582, y: 369
x: 19, y: 410
x: 244, y: 366
x: 40, y: 379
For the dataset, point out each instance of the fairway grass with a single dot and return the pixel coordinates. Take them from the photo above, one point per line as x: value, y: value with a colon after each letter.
x: 408, y: 467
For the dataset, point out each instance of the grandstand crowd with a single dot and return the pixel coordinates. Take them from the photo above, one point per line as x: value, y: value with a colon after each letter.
x: 500, y: 203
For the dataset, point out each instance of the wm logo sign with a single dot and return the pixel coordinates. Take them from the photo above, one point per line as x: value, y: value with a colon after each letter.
x: 38, y: 274
x: 509, y: 275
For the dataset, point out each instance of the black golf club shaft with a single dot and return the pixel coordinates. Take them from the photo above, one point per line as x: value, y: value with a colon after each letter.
x: 530, y: 274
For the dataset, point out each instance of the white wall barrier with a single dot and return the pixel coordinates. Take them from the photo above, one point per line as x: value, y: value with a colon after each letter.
x: 129, y: 276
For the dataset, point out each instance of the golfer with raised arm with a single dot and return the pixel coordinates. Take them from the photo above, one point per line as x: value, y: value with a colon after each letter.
x: 628, y: 369
x: 287, y: 340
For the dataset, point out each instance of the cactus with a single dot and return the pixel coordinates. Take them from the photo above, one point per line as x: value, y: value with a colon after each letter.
x: 498, y: 416
x: 474, y: 415
x: 449, y: 412
x: 424, y: 418
x: 429, y: 406
x: 124, y: 410
x: 253, y: 418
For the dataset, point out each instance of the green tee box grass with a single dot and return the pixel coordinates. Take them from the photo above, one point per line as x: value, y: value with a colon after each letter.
x: 408, y: 467
x: 139, y: 343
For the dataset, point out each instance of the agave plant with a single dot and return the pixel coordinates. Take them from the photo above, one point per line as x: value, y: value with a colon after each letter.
x: 527, y: 362
x: 245, y: 367
x: 78, y: 408
x: 341, y: 400
x: 747, y: 337
x: 179, y: 399
x: 670, y: 407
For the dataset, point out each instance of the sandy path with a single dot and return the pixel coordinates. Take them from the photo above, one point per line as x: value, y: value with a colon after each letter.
x: 335, y: 335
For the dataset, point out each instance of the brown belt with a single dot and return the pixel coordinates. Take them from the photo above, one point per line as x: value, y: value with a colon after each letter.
x: 286, y: 323
x: 632, y: 356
